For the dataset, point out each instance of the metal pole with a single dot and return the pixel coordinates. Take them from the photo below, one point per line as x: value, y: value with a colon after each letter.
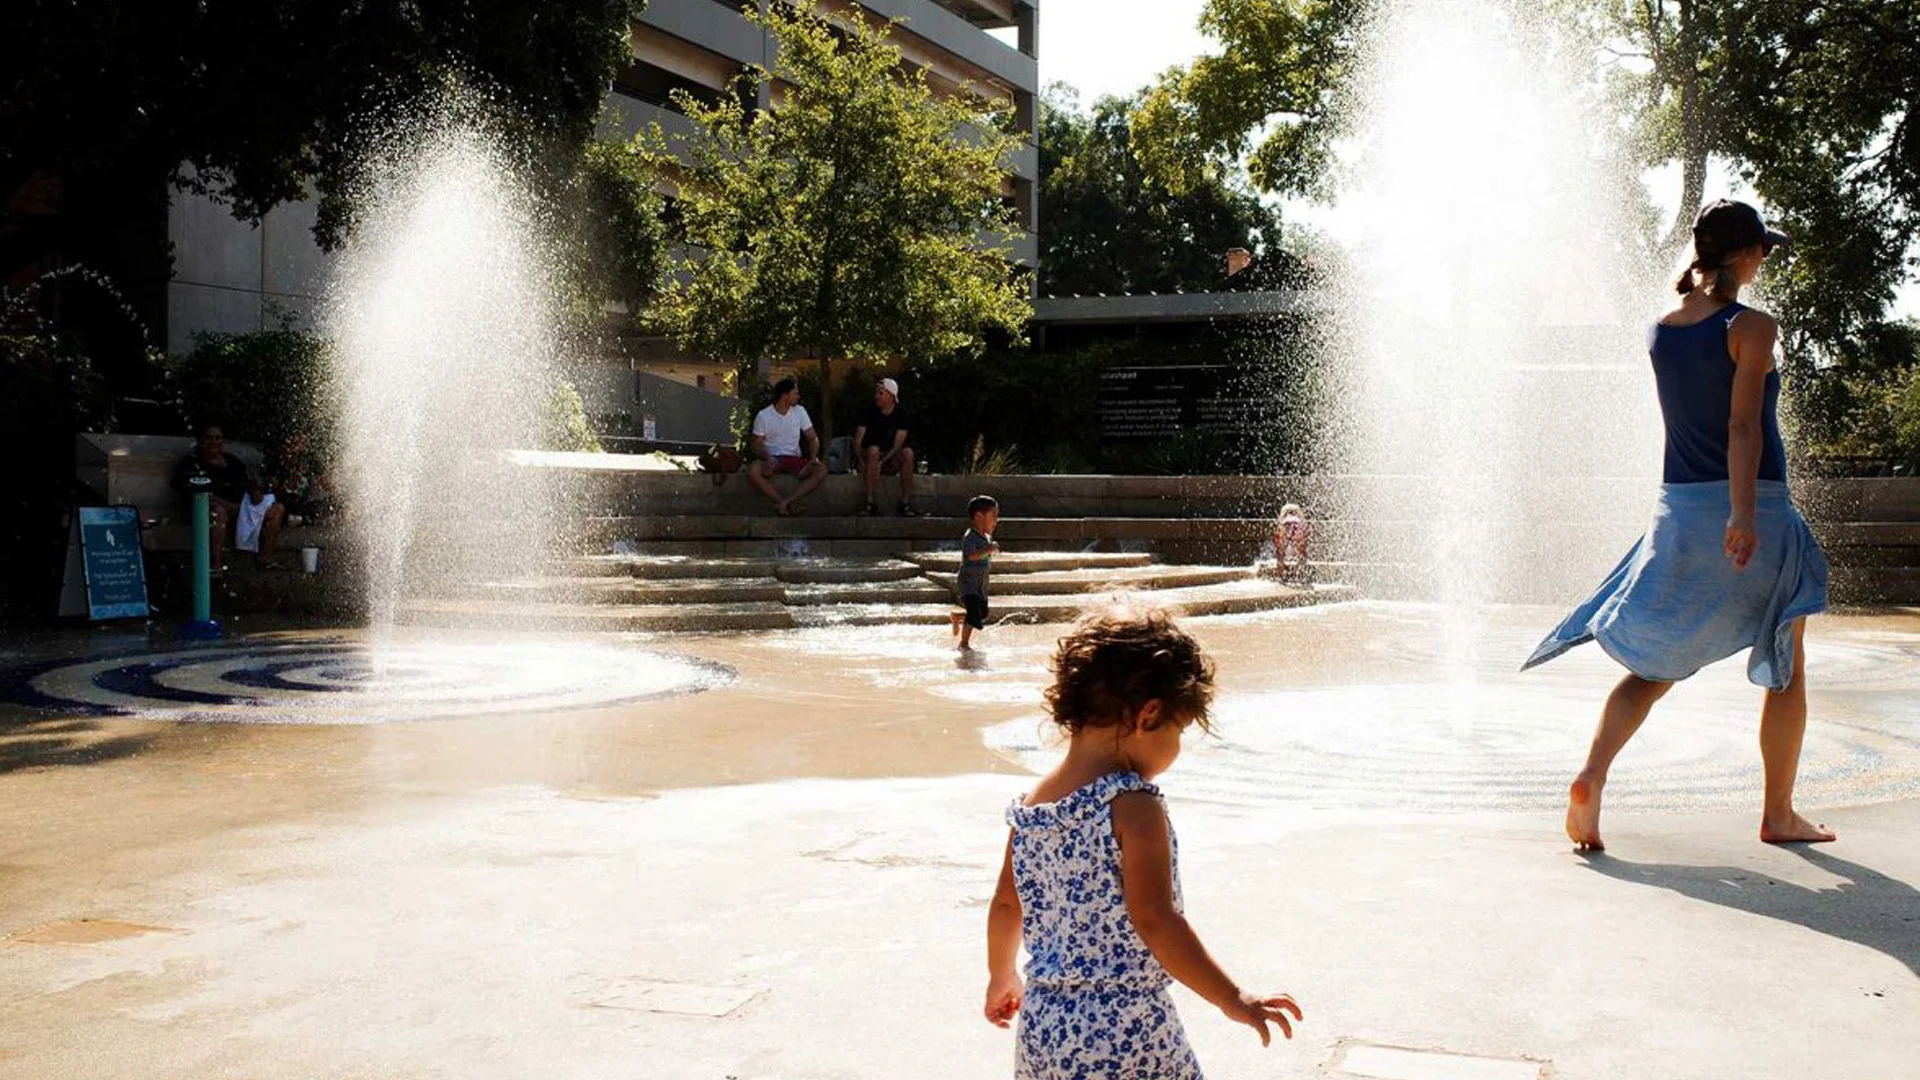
x: 202, y: 557
x: 202, y: 627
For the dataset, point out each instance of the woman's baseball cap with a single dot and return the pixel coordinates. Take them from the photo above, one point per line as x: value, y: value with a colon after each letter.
x: 1725, y: 226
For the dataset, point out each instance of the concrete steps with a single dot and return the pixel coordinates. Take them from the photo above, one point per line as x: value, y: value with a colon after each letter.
x: 830, y: 615
x: 1875, y: 585
x: 668, y: 567
x: 631, y: 591
x: 1068, y: 582
x: 845, y: 571
x: 1227, y: 598
x: 598, y: 618
x: 1014, y: 562
x: 919, y: 591
x: 750, y: 535
x: 626, y: 593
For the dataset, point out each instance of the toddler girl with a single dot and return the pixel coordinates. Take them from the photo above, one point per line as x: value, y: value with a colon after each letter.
x: 1090, y: 881
x: 1290, y: 543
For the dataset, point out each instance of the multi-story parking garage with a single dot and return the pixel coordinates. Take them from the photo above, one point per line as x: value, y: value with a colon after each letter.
x: 231, y: 277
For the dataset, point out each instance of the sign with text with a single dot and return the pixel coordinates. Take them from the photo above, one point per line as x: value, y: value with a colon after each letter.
x: 1161, y: 402
x: 113, y: 563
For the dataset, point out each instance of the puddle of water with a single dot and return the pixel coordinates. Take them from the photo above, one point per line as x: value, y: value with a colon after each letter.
x: 679, y: 999
x: 84, y: 932
x: 1399, y: 1063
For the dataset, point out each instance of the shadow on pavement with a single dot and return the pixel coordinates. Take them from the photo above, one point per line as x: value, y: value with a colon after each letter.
x: 35, y: 744
x: 1868, y: 908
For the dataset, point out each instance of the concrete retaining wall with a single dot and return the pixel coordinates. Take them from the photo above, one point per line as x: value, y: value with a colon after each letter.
x: 610, y: 489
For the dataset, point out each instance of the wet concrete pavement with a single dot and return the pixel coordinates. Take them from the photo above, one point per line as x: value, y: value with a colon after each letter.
x: 806, y: 849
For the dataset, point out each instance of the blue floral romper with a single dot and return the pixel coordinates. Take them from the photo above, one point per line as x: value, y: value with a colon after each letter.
x: 1096, y: 1004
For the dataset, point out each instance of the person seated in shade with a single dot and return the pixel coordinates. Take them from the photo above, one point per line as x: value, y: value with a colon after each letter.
x: 230, y: 483
x: 301, y: 485
x: 880, y: 447
x: 779, y: 431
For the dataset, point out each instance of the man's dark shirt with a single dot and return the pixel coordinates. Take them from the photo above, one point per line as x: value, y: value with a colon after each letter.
x: 230, y: 477
x: 882, y: 427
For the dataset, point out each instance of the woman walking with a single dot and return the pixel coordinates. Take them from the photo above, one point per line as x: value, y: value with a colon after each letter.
x: 1728, y: 563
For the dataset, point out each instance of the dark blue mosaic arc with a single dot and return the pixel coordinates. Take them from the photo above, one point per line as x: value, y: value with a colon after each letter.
x: 140, y: 680
x: 276, y: 677
x: 270, y: 676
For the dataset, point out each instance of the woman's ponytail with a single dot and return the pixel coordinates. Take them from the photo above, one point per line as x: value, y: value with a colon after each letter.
x: 1721, y: 284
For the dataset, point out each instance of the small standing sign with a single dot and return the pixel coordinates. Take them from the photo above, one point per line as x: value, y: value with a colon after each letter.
x: 106, y: 568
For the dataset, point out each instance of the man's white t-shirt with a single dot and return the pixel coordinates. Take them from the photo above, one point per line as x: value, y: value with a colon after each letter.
x: 782, y: 433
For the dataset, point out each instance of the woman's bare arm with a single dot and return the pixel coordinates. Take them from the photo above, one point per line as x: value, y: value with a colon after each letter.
x: 1750, y: 339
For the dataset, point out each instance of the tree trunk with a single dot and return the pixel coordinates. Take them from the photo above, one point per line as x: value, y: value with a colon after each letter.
x: 826, y: 400
x: 1693, y: 129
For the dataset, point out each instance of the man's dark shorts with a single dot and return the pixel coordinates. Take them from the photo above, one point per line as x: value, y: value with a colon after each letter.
x: 976, y: 611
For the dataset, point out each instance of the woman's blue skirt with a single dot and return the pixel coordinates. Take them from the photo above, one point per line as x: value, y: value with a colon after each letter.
x: 1676, y: 604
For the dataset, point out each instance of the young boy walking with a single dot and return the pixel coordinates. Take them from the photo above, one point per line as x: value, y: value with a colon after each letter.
x: 977, y: 550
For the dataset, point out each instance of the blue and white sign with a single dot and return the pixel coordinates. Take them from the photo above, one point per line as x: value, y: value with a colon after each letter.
x: 115, y: 566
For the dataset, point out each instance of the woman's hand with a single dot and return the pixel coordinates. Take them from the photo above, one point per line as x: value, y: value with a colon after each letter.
x: 1254, y: 1011
x: 1004, y: 995
x: 1742, y: 541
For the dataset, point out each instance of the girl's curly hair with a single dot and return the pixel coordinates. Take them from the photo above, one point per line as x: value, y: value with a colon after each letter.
x: 1117, y: 659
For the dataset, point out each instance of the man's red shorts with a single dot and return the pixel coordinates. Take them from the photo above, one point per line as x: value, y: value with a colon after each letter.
x: 786, y: 465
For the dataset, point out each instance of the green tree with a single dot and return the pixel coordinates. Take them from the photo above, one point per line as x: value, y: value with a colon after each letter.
x: 1814, y: 104
x: 613, y: 229
x: 260, y: 100
x: 263, y: 387
x: 1271, y: 99
x: 1110, y: 228
x: 859, y: 218
x: 109, y: 104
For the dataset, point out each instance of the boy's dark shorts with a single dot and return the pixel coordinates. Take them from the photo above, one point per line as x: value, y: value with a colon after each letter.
x: 976, y: 611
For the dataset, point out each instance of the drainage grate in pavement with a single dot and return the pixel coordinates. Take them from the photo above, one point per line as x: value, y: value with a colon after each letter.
x: 82, y: 932
x: 679, y: 999
x: 1399, y: 1063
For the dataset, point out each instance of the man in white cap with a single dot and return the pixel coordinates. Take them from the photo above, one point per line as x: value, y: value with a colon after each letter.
x: 880, y: 447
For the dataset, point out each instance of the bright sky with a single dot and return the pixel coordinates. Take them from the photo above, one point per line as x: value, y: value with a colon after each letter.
x: 1100, y: 50
x: 1097, y: 50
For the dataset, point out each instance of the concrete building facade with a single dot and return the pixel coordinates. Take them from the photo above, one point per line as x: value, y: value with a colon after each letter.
x: 231, y: 277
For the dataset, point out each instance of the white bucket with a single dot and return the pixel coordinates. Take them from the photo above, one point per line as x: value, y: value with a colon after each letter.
x: 310, y: 559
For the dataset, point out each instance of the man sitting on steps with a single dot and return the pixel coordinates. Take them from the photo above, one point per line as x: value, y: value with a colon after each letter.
x: 778, y: 432
x: 880, y: 447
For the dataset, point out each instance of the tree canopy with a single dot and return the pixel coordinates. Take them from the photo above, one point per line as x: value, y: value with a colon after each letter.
x: 611, y: 222
x: 1270, y: 99
x: 260, y: 99
x: 1110, y: 228
x: 860, y: 217
x: 1816, y: 105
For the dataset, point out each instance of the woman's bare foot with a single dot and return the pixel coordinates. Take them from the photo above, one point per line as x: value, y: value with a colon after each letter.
x: 1795, y: 830
x: 1583, y: 816
x: 954, y: 621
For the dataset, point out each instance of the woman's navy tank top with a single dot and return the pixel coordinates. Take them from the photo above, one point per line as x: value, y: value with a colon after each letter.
x: 1693, y: 368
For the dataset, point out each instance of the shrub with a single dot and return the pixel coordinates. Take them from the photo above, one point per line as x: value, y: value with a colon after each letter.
x: 564, y: 425
x: 262, y: 387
